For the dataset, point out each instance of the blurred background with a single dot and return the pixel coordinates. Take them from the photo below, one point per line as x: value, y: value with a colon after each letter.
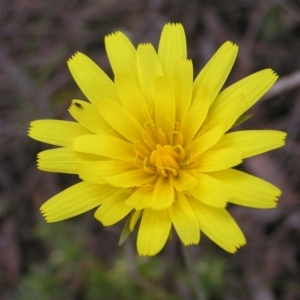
x: 79, y: 258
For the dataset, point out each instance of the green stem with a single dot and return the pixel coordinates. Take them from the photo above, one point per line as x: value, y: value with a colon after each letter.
x: 157, y: 291
x: 194, y: 277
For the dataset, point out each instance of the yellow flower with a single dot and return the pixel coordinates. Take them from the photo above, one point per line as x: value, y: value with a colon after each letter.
x: 154, y: 145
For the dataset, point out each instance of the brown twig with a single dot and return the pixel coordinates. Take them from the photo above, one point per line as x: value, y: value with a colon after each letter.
x: 286, y: 83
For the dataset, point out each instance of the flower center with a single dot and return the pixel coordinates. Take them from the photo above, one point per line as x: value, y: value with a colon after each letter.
x: 166, y: 160
x: 156, y: 156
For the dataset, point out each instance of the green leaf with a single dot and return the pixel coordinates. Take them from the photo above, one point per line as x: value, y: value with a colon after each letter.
x: 241, y: 119
x: 126, y: 230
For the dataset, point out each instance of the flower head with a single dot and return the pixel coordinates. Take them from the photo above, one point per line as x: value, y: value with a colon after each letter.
x: 153, y: 145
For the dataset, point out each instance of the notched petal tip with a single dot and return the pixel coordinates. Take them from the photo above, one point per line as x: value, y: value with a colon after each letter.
x: 231, y: 44
x: 71, y: 105
x: 38, y: 164
x: 276, y: 195
x: 33, y: 126
x: 173, y: 24
x: 44, y: 207
x: 30, y: 128
x: 76, y: 104
x: 143, y: 45
x: 272, y: 72
x: 75, y: 56
x: 113, y: 35
x: 238, y: 247
x: 234, y: 248
x: 97, y: 218
x: 44, y: 214
x: 284, y: 136
x: 273, y: 76
x: 190, y: 243
x: 280, y: 139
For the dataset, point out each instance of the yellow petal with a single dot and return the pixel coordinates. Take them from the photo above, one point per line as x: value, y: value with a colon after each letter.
x: 92, y: 81
x: 98, y: 171
x: 120, y: 120
x: 75, y: 200
x: 184, y: 181
x: 63, y: 160
x: 163, y: 195
x: 121, y: 54
x: 131, y: 98
x: 252, y: 142
x: 164, y: 107
x: 172, y: 47
x: 248, y: 190
x: 216, y: 71
x: 253, y: 87
x: 205, y: 141
x: 153, y: 232
x: 55, y: 132
x: 227, y: 115
x: 140, y: 199
x: 103, y: 145
x: 183, y: 87
x: 129, y: 179
x: 88, y: 116
x: 210, y: 191
x: 219, y: 226
x: 185, y: 221
x: 149, y: 67
x: 196, y: 115
x: 219, y: 159
x: 113, y: 209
